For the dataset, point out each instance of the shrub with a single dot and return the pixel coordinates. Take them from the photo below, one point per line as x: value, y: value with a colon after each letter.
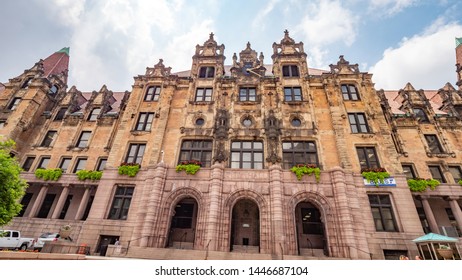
x: 308, y: 169
x: 375, y: 175
x: 49, y: 174
x: 421, y: 185
x: 89, y: 174
x: 129, y: 169
x: 190, y: 167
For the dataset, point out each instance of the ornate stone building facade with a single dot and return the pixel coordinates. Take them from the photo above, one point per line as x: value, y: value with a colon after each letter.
x: 247, y: 123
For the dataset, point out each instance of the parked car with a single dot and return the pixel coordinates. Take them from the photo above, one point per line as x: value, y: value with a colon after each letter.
x: 12, y: 239
x: 45, y: 237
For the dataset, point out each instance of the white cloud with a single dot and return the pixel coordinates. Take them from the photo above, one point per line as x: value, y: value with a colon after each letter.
x: 67, y: 12
x: 390, y: 7
x: 326, y: 22
x: 258, y: 21
x: 425, y: 60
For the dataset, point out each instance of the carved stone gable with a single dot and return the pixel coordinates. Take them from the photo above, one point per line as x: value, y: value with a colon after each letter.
x: 159, y: 70
x: 344, y: 67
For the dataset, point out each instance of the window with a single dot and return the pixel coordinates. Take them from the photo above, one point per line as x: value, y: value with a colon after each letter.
x: 349, y: 92
x: 27, y: 82
x: 207, y: 72
x: 311, y: 221
x: 94, y: 114
x: 183, y: 215
x: 26, y: 199
x: 203, y: 94
x: 394, y: 254
x: 247, y: 122
x: 65, y: 162
x: 247, y: 154
x: 49, y: 137
x: 43, y: 162
x: 28, y: 163
x: 456, y: 173
x: 121, y: 203
x: 358, y: 123
x: 294, y: 153
x: 53, y: 90
x: 455, y: 232
x: 367, y: 157
x: 290, y: 71
x: 80, y: 164
x: 135, y: 153
x: 200, y: 122
x: 83, y: 139
x: 433, y: 144
x: 144, y: 122
x: 60, y: 115
x: 436, y: 172
x: 423, y: 220
x: 292, y: 94
x: 46, y: 206
x: 382, y: 212
x: 152, y: 94
x: 66, y: 205
x: 14, y: 103
x: 101, y: 164
x: 408, y: 170
x: 200, y: 150
x: 88, y: 207
x: 2, y: 124
x: 296, y: 122
x: 247, y: 94
x: 420, y: 115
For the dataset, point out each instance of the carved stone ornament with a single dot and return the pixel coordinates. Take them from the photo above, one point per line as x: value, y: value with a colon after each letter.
x: 221, y: 124
x: 220, y: 153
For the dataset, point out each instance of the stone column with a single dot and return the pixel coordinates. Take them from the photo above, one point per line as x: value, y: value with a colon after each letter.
x: 60, y: 203
x: 277, y: 221
x: 38, y: 201
x: 456, y: 210
x: 153, y: 207
x: 83, y: 203
x: 214, y: 210
x: 429, y: 214
x: 347, y: 239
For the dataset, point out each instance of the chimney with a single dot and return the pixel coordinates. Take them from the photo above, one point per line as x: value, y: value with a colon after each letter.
x: 459, y: 61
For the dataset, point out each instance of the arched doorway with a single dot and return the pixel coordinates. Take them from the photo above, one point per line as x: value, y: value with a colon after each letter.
x: 183, y: 224
x: 310, y: 230
x: 245, y: 227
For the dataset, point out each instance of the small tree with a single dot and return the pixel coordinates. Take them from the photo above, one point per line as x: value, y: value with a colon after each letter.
x: 12, y: 187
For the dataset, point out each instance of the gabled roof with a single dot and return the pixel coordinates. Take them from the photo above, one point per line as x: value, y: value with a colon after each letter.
x: 433, y: 237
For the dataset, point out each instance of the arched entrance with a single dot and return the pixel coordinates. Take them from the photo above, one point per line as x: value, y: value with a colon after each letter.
x: 245, y: 227
x: 310, y: 230
x: 183, y: 224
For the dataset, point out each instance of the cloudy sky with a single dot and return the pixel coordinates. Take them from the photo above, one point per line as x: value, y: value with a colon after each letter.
x: 111, y: 41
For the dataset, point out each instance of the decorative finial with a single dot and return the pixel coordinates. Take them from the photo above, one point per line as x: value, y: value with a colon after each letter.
x: 211, y: 36
x: 286, y: 32
x: 248, y: 45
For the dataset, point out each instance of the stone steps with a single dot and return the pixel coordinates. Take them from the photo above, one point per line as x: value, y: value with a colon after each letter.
x: 185, y: 254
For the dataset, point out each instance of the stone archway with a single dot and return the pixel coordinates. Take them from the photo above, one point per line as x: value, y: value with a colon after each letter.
x: 245, y: 227
x: 183, y: 224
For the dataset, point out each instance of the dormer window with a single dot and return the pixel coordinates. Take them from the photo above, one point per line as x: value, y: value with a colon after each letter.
x: 14, y: 103
x: 27, y: 82
x: 420, y: 115
x: 290, y: 71
x: 53, y: 90
x: 94, y: 114
x: 207, y: 72
x: 350, y: 92
x: 152, y: 94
